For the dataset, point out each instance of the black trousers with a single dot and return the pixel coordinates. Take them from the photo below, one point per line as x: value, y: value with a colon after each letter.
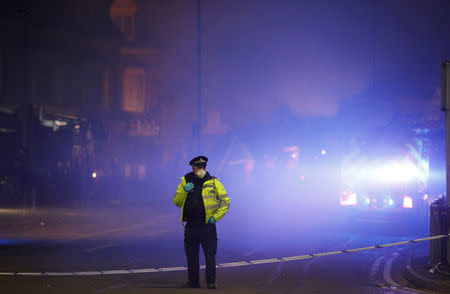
x: 206, y: 235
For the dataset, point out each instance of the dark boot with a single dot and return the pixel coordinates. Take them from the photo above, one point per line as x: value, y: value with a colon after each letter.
x: 212, y: 286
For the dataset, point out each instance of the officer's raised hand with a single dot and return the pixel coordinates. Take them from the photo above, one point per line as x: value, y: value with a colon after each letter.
x: 188, y: 187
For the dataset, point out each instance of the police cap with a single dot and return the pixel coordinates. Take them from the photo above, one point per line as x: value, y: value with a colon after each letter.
x: 199, y: 161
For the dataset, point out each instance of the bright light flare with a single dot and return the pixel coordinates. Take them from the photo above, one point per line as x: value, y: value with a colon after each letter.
x: 389, y: 172
x: 396, y: 172
x: 94, y: 175
x: 324, y: 152
x: 348, y: 199
x: 407, y: 202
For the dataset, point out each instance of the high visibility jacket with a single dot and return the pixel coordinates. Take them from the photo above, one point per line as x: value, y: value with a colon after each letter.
x: 215, y: 199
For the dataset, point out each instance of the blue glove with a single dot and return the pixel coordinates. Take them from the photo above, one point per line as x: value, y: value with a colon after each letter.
x: 212, y: 221
x: 188, y: 187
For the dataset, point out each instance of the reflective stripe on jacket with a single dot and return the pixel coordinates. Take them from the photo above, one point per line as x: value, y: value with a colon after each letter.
x: 215, y: 198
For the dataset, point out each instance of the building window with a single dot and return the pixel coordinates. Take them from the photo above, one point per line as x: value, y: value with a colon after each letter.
x: 134, y: 90
x: 122, y: 13
x: 127, y: 170
x: 142, y: 171
x: 128, y: 27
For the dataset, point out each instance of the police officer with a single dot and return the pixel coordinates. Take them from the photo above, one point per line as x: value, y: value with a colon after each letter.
x: 203, y: 201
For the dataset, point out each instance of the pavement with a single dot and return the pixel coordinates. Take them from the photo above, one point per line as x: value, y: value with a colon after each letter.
x: 72, y: 224
x: 405, y: 268
x: 420, y: 274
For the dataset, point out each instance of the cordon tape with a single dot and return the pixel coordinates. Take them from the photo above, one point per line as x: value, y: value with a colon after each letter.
x: 222, y: 265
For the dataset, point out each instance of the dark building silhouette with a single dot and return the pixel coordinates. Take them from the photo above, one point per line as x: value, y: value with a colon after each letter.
x: 78, y: 96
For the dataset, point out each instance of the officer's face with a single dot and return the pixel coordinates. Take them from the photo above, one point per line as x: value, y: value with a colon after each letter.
x: 196, y: 168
